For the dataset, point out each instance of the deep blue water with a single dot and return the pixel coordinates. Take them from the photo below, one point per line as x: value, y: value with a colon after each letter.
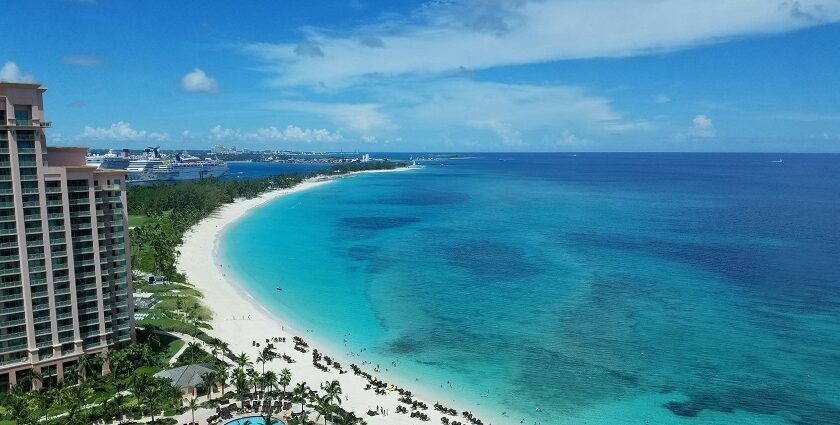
x: 239, y: 170
x: 597, y: 288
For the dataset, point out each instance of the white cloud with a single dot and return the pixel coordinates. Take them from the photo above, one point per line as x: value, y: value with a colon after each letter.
x: 158, y: 137
x: 199, y: 81
x: 569, y: 139
x: 701, y: 128
x: 273, y: 134
x: 525, y: 107
x: 515, y: 114
x: 507, y: 134
x: 82, y: 60
x: 478, y: 35
x: 120, y: 131
x: 662, y: 99
x: 10, y: 72
x: 360, y: 118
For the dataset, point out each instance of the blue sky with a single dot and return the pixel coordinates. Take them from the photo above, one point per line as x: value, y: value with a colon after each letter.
x: 472, y: 75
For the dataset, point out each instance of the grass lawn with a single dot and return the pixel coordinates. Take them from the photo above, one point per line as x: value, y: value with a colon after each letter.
x: 163, y: 346
x: 137, y: 220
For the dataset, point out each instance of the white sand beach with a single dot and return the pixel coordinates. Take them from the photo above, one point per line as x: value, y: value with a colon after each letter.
x: 239, y: 321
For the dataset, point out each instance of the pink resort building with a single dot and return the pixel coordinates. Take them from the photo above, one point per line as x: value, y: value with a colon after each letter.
x: 65, y: 281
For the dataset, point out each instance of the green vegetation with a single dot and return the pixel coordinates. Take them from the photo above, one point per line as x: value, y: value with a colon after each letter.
x: 160, y: 215
x: 137, y: 220
x: 162, y: 346
x: 87, y: 396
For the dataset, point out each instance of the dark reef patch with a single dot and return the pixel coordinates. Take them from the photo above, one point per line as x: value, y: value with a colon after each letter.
x: 405, y: 345
x: 362, y: 252
x: 490, y: 260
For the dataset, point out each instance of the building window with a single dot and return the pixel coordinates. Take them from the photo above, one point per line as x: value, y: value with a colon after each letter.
x: 23, y: 113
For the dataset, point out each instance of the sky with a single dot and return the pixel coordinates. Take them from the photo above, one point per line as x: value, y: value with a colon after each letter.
x: 433, y: 76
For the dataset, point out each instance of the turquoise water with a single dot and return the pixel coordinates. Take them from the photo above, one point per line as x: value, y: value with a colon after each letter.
x: 251, y: 420
x: 598, y: 289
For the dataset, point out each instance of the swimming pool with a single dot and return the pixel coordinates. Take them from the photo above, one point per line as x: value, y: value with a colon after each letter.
x: 254, y: 420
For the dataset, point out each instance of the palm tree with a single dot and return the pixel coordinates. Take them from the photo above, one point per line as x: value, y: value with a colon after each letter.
x: 216, y: 347
x: 242, y: 360
x: 97, y: 362
x: 44, y: 399
x: 208, y: 380
x: 119, y: 400
x: 73, y: 398
x: 193, y: 405
x: 222, y: 376
x: 269, y: 380
x: 333, y: 390
x: 240, y: 381
x: 32, y: 375
x: 267, y: 355
x: 300, y: 392
x: 159, y: 394
x: 285, y: 378
x: 18, y: 405
x: 254, y: 377
x: 139, y: 386
x: 83, y: 364
x: 153, y: 401
x: 192, y: 315
x: 194, y: 348
x: 263, y: 360
x: 323, y: 406
x: 71, y: 377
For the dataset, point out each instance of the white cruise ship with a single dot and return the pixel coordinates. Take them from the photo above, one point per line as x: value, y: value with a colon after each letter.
x: 110, y: 160
x: 152, y: 167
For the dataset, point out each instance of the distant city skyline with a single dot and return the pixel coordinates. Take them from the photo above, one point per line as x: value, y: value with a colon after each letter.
x: 501, y: 75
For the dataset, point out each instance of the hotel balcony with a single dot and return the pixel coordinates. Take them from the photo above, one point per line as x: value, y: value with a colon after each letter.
x: 27, y: 123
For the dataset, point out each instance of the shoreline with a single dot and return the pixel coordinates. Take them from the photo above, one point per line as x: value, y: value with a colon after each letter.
x: 239, y: 318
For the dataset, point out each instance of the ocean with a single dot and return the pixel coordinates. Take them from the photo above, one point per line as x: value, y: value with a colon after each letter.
x: 605, y: 288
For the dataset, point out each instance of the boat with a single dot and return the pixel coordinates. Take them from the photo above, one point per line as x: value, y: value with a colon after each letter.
x: 186, y: 167
x: 109, y: 161
x: 147, y: 168
x: 777, y: 161
x: 152, y: 167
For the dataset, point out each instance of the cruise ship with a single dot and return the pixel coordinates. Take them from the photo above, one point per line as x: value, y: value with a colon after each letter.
x: 152, y: 167
x: 109, y: 161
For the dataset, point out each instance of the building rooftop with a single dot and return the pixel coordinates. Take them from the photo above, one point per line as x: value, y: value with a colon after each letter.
x: 13, y: 85
x: 67, y: 148
x: 109, y: 171
x: 186, y: 376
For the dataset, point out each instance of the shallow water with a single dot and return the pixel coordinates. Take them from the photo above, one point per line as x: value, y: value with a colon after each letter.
x: 597, y: 288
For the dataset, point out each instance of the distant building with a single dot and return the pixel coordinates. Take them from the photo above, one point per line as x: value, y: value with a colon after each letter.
x: 64, y: 272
